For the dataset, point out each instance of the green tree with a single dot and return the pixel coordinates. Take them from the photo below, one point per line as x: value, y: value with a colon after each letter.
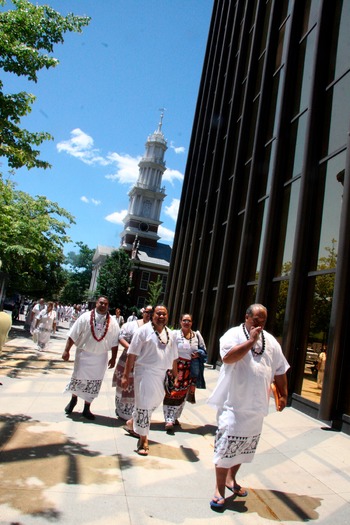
x: 27, y: 37
x: 78, y: 275
x: 155, y: 291
x: 114, y: 280
x: 32, y: 237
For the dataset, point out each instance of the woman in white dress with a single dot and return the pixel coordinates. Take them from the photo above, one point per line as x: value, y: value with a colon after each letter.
x: 151, y: 353
x: 189, y: 344
x: 124, y: 399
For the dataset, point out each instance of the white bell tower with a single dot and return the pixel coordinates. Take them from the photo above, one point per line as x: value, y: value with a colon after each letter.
x: 146, y: 197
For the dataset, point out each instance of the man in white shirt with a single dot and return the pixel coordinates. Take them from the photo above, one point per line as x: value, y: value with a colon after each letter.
x: 252, y: 359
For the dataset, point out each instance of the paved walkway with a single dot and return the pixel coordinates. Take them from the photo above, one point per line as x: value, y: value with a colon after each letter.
x: 67, y: 470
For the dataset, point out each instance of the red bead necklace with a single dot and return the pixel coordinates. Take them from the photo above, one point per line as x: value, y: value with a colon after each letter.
x: 92, y: 326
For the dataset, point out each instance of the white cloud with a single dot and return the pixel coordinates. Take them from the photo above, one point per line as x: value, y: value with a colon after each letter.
x: 178, y: 150
x: 80, y: 146
x: 173, y: 210
x: 116, y: 217
x: 87, y: 201
x: 170, y: 175
x: 127, y: 168
x: 166, y: 234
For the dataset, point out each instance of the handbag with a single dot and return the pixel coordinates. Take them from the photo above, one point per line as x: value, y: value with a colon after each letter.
x: 169, y: 382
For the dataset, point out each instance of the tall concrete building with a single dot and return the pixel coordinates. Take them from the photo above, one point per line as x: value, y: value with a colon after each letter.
x: 265, y: 209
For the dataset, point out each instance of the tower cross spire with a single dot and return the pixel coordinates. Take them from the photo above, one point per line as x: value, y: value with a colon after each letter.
x: 161, y: 119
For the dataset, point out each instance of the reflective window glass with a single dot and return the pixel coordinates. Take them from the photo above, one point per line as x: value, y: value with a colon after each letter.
x: 265, y: 27
x: 236, y: 240
x: 262, y: 236
x: 332, y: 204
x: 342, y: 62
x: 339, y: 102
x: 287, y: 231
x: 304, y: 73
x: 315, y: 353
x: 243, y: 185
x: 264, y: 168
x: 272, y: 112
x: 277, y: 310
x: 311, y: 9
x: 296, y: 147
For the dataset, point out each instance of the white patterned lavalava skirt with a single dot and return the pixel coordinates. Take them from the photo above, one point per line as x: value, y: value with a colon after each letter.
x: 88, y: 373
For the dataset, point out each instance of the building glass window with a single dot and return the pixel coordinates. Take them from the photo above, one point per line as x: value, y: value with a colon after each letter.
x: 323, y: 286
x: 262, y: 237
x: 298, y: 133
x: 164, y: 281
x: 339, y: 101
x: 237, y: 234
x: 271, y: 165
x: 304, y: 73
x: 332, y: 205
x: 271, y: 114
x: 259, y: 221
x: 277, y: 310
x: 265, y: 26
x: 342, y: 62
x: 279, y: 53
x: 249, y: 140
x: 287, y: 231
x: 145, y: 280
x: 244, y: 181
x: 311, y: 10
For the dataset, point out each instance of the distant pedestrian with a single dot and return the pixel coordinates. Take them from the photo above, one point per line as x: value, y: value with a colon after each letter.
x: 45, y: 325
x: 132, y: 317
x: 37, y: 308
x: 118, y: 317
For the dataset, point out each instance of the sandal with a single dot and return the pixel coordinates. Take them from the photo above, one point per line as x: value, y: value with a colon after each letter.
x: 142, y: 449
x: 130, y: 431
x: 238, y: 491
x: 217, y: 504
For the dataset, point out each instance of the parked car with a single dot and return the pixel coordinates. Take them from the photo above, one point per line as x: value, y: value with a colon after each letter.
x: 311, y: 356
x: 312, y: 360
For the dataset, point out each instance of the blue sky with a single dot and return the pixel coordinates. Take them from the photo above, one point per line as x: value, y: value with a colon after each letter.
x: 103, y: 100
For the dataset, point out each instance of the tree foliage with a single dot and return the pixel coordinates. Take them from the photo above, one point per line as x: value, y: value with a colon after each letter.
x: 155, y: 291
x: 27, y: 37
x: 32, y: 237
x: 78, y: 275
x: 114, y: 280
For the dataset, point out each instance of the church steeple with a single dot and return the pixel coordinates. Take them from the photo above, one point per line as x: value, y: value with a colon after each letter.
x: 147, y: 195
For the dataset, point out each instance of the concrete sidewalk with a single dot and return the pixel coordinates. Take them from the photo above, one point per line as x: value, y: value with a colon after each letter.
x: 67, y: 470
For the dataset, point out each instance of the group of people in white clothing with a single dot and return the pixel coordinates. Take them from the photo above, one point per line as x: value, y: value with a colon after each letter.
x: 251, y: 360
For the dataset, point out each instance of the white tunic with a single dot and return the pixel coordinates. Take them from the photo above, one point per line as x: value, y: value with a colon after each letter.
x: 152, y: 361
x: 242, y: 397
x: 244, y: 386
x: 91, y: 357
x: 82, y: 336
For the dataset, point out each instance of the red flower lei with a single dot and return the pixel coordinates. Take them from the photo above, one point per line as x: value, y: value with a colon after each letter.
x: 92, y: 326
